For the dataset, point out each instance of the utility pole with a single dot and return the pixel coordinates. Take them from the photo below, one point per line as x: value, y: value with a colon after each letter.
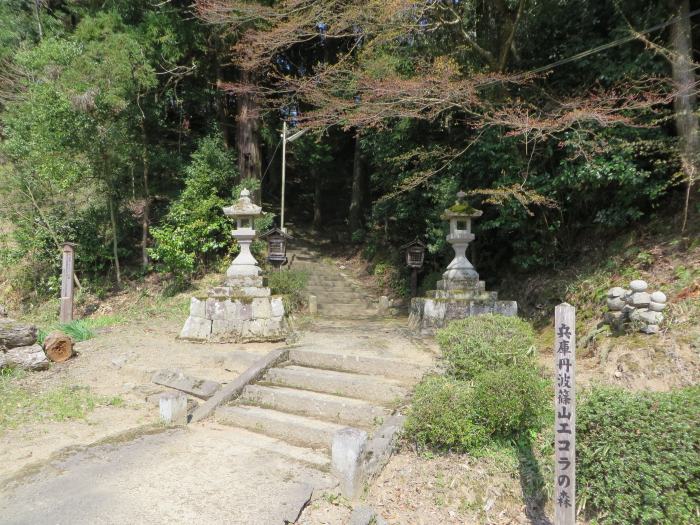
x: 286, y: 139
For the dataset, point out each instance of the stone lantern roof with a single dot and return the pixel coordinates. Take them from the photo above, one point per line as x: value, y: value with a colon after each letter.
x: 243, y: 207
x: 461, y: 210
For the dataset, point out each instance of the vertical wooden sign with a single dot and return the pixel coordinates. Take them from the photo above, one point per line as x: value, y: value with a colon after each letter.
x: 565, y: 415
x: 66, y: 315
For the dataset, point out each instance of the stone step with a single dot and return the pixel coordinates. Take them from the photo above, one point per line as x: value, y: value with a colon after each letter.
x: 297, y: 430
x: 345, y: 309
x: 336, y: 409
x: 340, y: 296
x: 328, y: 283
x: 361, y: 364
x: 376, y: 389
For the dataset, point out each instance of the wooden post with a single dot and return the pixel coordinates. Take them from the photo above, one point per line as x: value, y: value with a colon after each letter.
x: 565, y: 415
x: 66, y: 315
x: 414, y: 282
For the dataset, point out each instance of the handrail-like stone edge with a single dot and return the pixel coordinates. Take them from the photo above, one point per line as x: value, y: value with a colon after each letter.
x: 234, y: 389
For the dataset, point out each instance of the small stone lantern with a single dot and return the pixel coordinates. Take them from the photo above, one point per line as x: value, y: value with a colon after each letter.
x: 276, y: 246
x: 415, y: 257
x: 245, y: 213
x: 460, y: 217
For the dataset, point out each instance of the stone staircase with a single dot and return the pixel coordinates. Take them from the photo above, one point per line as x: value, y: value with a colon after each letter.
x: 306, y: 400
x: 337, y: 294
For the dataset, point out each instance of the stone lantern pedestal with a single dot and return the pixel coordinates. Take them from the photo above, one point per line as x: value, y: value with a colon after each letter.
x: 459, y: 293
x: 242, y: 309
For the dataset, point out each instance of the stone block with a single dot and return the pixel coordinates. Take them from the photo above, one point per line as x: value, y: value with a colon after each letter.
x: 658, y: 297
x: 245, y: 311
x: 508, y: 308
x: 261, y: 308
x: 216, y: 308
x: 175, y: 379
x: 365, y: 515
x: 657, y: 307
x: 640, y: 299
x: 226, y: 327
x: 313, y: 305
x: 173, y: 408
x: 384, y: 305
x: 233, y: 310
x: 347, y: 453
x: 196, y: 328
x: 255, y: 291
x: 638, y: 285
x: 198, y: 308
x: 276, y: 307
x: 245, y: 281
x: 220, y: 291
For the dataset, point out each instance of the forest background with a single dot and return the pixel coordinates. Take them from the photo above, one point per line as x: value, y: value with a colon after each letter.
x: 125, y: 125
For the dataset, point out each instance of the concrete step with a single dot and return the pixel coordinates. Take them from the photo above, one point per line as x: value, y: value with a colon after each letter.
x: 297, y: 430
x: 338, y: 295
x: 391, y: 368
x: 376, y: 389
x: 336, y: 409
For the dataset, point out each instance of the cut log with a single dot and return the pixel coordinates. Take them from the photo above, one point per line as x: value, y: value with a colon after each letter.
x: 13, y: 334
x: 58, y: 347
x: 30, y: 357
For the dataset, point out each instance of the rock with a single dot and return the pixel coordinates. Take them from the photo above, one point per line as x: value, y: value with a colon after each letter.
x: 276, y: 307
x: 656, y: 307
x: 650, y: 317
x: 650, y: 329
x: 313, y: 305
x: 615, y: 304
x: 14, y: 334
x: 638, y: 285
x: 261, y: 308
x: 658, y: 297
x: 365, y: 515
x: 118, y: 362
x: 617, y: 292
x: 197, y: 308
x: 640, y: 299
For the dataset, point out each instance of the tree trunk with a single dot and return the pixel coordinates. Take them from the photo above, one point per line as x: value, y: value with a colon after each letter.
x: 247, y: 132
x: 13, y: 334
x: 115, y: 242
x: 146, y: 215
x: 684, y: 103
x: 25, y: 357
x: 358, y: 188
x: 318, y: 195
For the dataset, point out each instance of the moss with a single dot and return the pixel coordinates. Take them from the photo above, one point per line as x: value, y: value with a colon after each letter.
x: 462, y: 207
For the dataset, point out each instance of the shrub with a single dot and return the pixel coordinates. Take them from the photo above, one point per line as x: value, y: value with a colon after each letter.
x: 510, y: 400
x: 290, y: 285
x: 441, y: 415
x: 486, y: 342
x: 638, y: 456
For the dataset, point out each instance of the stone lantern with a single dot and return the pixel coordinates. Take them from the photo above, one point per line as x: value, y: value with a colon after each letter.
x: 460, y: 217
x: 243, y: 309
x: 276, y: 246
x: 460, y: 293
x: 244, y: 211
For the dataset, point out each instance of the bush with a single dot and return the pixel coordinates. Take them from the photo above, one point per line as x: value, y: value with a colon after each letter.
x: 442, y: 415
x: 485, y: 342
x: 290, y: 284
x: 511, y: 400
x: 638, y: 456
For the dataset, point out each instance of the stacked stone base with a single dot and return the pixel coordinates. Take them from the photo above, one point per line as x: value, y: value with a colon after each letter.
x: 238, y: 312
x: 455, y: 300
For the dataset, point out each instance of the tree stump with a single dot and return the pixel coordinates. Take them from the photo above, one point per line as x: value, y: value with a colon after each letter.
x: 58, y: 347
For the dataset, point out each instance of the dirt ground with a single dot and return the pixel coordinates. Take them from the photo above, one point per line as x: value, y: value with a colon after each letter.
x: 119, y: 363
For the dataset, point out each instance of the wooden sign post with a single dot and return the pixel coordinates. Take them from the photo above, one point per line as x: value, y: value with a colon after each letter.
x: 565, y: 415
x: 66, y: 315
